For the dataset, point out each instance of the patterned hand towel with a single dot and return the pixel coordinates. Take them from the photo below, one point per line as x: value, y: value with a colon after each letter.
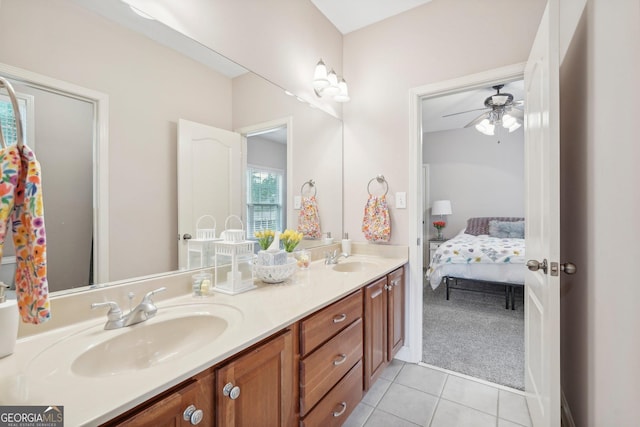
x: 375, y: 224
x: 21, y: 195
x: 308, y: 218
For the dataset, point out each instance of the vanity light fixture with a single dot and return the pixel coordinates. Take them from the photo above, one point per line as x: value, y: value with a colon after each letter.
x: 329, y: 84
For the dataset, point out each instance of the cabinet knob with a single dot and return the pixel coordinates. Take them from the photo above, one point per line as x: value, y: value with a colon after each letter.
x: 231, y: 391
x: 336, y: 414
x: 340, y: 318
x: 193, y: 415
x: 340, y: 359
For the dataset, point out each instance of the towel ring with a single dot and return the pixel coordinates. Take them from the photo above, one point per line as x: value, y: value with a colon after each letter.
x: 16, y: 114
x: 312, y: 184
x: 381, y: 180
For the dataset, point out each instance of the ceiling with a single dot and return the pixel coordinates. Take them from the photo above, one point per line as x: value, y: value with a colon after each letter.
x: 351, y: 15
x: 434, y: 108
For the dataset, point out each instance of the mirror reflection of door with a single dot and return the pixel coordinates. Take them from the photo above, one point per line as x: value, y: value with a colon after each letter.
x: 265, y: 206
x: 209, y: 179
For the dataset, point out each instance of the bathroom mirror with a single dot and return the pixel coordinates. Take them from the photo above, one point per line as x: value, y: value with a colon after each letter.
x: 149, y: 87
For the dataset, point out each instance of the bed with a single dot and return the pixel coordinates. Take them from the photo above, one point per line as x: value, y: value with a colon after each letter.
x: 490, y: 250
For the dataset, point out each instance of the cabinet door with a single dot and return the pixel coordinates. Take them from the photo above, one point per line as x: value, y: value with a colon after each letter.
x: 168, y: 409
x: 375, y: 334
x: 164, y: 413
x: 265, y: 386
x: 395, y: 314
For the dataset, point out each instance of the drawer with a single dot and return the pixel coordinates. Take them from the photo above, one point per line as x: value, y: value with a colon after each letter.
x: 323, y: 368
x: 321, y: 326
x: 338, y: 404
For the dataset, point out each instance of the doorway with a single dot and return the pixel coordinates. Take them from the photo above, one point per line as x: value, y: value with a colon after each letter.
x: 417, y: 215
x: 472, y: 321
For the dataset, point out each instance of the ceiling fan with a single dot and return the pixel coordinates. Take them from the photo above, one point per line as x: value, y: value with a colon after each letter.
x: 500, y: 109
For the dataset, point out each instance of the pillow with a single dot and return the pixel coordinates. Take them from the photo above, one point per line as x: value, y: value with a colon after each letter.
x: 480, y: 225
x: 506, y: 229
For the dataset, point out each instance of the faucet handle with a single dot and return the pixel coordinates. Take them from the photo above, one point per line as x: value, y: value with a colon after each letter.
x: 148, y: 296
x: 114, y: 310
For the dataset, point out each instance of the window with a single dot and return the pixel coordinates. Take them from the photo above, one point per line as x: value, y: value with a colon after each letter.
x: 25, y: 104
x: 264, y: 199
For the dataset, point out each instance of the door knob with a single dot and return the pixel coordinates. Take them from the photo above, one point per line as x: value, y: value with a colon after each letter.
x: 535, y: 265
x: 186, y: 236
x: 568, y: 268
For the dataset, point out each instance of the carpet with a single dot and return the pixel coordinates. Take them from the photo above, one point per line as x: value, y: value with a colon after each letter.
x: 473, y: 334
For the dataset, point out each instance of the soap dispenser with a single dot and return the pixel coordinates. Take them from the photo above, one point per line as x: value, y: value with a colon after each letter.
x: 346, y: 244
x: 9, y: 322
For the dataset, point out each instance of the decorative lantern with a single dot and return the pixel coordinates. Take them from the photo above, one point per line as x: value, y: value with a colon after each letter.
x: 234, y: 261
x: 201, y: 250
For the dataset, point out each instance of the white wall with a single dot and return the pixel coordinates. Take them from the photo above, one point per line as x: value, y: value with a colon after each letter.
x: 438, y: 41
x: 600, y: 210
x: 478, y: 175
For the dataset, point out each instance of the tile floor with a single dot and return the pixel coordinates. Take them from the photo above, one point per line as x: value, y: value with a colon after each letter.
x: 414, y: 395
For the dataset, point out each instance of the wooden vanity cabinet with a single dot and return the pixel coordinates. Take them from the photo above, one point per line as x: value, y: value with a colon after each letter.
x: 331, y: 350
x: 312, y: 373
x: 384, y: 323
x: 168, y: 409
x: 258, y: 388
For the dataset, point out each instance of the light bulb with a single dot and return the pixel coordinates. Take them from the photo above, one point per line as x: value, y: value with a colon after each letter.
x: 333, y: 88
x: 485, y: 127
x: 320, y: 80
x: 343, y: 95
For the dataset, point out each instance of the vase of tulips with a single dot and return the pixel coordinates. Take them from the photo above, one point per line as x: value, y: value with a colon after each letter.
x: 290, y: 239
x: 439, y: 225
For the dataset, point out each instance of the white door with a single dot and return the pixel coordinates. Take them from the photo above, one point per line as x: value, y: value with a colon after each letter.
x: 542, y: 287
x: 209, y: 178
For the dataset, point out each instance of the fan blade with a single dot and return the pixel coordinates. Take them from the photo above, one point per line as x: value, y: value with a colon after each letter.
x: 517, y: 113
x: 477, y: 120
x: 463, y: 112
x: 519, y: 103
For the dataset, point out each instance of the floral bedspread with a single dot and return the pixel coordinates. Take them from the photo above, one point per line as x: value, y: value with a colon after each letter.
x: 468, y: 249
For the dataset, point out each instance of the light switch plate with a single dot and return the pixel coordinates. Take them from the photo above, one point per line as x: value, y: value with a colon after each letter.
x: 297, y: 202
x: 401, y: 200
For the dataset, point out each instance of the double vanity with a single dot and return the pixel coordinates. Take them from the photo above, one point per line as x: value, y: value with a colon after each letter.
x: 303, y: 351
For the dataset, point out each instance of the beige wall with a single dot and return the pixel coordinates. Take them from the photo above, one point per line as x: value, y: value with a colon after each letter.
x: 479, y: 176
x: 147, y: 94
x: 281, y: 40
x: 438, y: 41
x: 600, y: 210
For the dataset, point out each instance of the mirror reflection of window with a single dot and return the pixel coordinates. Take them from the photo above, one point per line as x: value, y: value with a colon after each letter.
x: 265, y: 197
x: 25, y: 105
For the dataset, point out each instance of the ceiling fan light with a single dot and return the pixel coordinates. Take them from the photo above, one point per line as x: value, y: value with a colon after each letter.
x: 320, y: 79
x: 508, y: 121
x: 515, y: 126
x: 485, y: 127
x: 499, y: 99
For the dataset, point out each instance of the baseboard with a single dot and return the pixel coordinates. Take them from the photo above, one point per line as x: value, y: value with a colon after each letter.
x: 565, y: 412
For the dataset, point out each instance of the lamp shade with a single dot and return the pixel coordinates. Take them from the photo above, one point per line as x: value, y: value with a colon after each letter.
x: 441, y: 207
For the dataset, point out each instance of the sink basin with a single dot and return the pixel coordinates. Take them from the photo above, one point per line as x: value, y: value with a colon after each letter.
x: 353, y: 266
x: 178, y: 331
x: 143, y: 346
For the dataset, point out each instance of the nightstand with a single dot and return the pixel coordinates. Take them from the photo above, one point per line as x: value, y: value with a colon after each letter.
x: 433, y: 245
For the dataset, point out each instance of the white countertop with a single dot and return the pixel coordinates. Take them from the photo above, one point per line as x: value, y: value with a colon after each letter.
x: 39, y: 370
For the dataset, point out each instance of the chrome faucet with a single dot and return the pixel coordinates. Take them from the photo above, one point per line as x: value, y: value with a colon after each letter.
x: 143, y: 311
x: 333, y: 257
